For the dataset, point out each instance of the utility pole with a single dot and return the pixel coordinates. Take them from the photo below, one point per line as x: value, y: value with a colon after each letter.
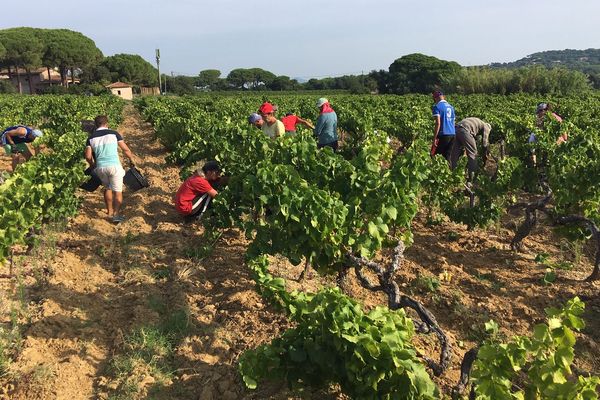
x: 158, y: 67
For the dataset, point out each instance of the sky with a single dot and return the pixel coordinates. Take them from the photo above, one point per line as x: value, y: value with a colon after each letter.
x: 316, y: 38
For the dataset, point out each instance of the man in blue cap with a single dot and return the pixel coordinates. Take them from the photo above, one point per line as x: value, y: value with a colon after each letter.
x: 16, y: 139
x: 256, y: 120
x: 443, y: 132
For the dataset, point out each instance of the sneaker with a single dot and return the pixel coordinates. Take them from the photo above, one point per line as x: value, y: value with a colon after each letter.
x: 118, y: 218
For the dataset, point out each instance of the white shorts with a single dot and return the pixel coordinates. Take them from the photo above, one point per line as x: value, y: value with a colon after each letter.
x: 111, y: 177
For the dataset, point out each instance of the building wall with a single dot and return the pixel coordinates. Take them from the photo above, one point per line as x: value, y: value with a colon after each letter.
x: 149, y: 91
x: 35, y: 80
x: 39, y: 80
x: 124, y: 93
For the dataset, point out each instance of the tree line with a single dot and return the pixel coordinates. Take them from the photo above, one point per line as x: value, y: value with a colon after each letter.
x: 413, y: 73
x: 75, y: 56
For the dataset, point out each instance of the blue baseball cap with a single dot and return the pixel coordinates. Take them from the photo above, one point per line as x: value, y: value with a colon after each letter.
x: 541, y: 107
x: 254, y: 118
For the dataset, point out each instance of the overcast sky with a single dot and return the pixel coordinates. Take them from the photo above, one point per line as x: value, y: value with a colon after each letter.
x: 316, y: 38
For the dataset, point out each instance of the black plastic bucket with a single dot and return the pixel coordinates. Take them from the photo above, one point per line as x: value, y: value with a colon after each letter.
x: 92, y: 183
x: 134, y: 180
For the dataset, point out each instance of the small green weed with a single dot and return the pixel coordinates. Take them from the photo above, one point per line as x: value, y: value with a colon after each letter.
x: 427, y: 284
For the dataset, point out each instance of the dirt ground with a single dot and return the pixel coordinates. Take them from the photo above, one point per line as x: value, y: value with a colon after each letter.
x: 98, y: 290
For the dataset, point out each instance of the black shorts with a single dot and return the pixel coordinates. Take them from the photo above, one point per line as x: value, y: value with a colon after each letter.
x: 444, y: 145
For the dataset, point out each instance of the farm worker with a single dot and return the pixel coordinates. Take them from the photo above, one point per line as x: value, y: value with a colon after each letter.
x: 195, y: 194
x: 16, y: 139
x: 543, y: 110
x: 326, y: 128
x: 101, y: 153
x: 272, y: 127
x: 466, y: 132
x: 443, y: 131
x: 291, y: 120
x: 256, y: 120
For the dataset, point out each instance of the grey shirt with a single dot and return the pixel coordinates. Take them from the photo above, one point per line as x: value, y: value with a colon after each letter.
x: 475, y: 126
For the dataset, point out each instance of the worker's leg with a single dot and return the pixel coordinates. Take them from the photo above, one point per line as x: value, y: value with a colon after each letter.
x: 116, y: 183
x: 117, y: 202
x: 471, y: 149
x: 108, y: 200
x: 445, y: 146
x: 457, y: 147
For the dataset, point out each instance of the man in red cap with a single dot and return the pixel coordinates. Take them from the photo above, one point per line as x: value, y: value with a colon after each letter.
x: 272, y: 127
x: 291, y: 120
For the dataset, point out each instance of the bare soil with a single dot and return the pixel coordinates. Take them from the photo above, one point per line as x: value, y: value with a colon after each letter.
x: 100, y: 282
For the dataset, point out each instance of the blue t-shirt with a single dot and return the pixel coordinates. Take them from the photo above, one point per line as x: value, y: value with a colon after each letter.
x: 326, y: 128
x: 16, y: 139
x: 105, y: 144
x: 445, y: 111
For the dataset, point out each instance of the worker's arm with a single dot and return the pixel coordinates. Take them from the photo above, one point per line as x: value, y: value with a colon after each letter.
x: 317, y: 130
x: 487, y: 128
x: 437, y: 125
x: 436, y: 131
x: 212, y: 193
x: 123, y: 146
x: 89, y: 156
x: 305, y: 122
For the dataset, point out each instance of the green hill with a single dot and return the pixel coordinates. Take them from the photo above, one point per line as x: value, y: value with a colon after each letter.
x: 586, y: 61
x: 582, y: 60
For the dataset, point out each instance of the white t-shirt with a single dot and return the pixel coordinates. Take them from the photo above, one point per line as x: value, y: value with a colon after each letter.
x: 275, y: 130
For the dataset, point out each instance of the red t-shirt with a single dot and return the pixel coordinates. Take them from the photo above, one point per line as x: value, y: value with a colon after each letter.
x: 290, y: 122
x: 192, y: 187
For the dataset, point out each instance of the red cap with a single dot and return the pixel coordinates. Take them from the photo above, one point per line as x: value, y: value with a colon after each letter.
x: 266, y: 108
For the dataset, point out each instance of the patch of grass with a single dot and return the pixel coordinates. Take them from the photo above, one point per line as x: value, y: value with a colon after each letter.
x: 148, y: 353
x: 41, y: 375
x: 147, y: 362
x: 491, y: 280
x: 550, y: 275
x: 101, y: 251
x: 477, y: 331
x: 128, y: 238
x: 161, y: 273
x: 453, y: 236
x: 434, y: 219
x: 427, y: 284
x: 158, y: 304
x: 10, y: 342
x: 209, y: 241
x: 198, y: 253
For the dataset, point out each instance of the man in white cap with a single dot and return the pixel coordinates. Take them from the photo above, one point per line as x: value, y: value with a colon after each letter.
x: 16, y: 139
x: 326, y: 127
x: 466, y: 132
